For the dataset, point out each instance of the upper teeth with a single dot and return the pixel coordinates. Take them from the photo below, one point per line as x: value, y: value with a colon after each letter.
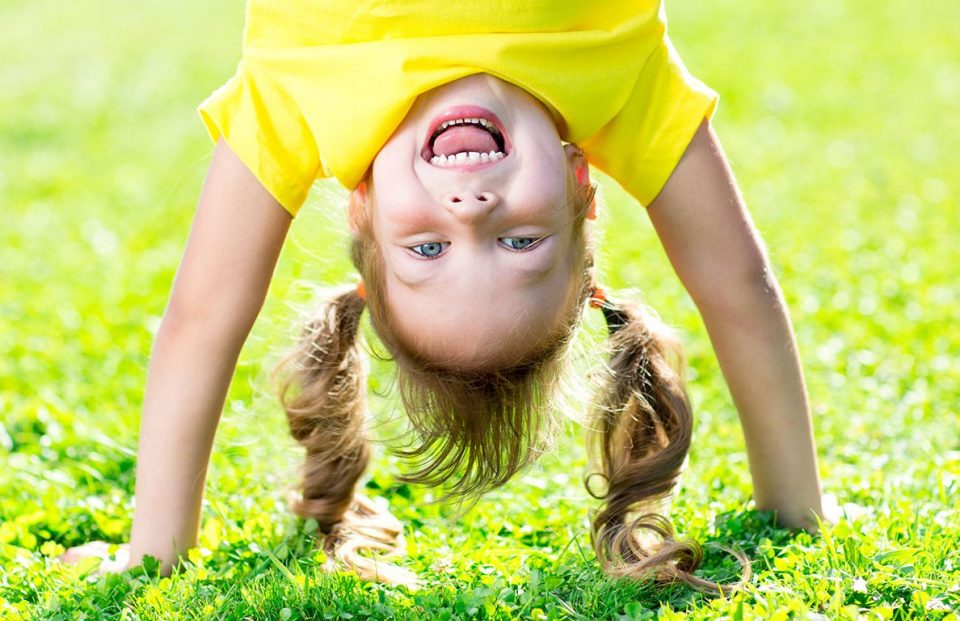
x: 482, y: 122
x: 471, y: 157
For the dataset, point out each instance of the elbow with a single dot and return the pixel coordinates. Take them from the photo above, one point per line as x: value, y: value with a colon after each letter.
x: 209, y: 321
x: 737, y: 292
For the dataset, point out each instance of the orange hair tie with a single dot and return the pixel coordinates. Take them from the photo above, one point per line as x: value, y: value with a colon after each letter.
x: 598, y: 297
x: 591, y: 213
x: 361, y: 290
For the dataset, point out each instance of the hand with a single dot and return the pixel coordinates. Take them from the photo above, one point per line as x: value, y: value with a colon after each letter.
x: 99, y: 549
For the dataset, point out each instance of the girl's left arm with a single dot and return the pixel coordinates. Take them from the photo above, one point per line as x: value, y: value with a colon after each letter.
x: 718, y: 254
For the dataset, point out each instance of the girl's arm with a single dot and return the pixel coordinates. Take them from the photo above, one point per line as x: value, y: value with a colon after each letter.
x: 236, y: 237
x: 717, y: 253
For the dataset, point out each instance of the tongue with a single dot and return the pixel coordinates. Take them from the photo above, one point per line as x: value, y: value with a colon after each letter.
x: 460, y: 138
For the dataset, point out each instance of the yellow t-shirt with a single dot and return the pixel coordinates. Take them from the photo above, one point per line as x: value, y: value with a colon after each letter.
x: 322, y: 84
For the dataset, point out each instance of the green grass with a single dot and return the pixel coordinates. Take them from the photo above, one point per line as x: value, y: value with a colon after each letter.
x: 841, y: 122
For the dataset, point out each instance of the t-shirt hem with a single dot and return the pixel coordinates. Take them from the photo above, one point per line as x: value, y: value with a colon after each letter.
x: 695, y: 108
x: 256, y: 164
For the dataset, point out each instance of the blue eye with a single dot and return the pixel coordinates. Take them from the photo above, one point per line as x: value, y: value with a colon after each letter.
x: 519, y: 243
x: 429, y: 250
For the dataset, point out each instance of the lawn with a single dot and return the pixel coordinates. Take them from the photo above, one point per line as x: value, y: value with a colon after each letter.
x: 841, y: 121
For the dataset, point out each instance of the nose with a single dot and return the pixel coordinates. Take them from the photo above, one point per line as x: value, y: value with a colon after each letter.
x: 470, y: 206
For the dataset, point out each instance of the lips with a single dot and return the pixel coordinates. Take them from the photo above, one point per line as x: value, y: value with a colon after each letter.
x: 465, y: 138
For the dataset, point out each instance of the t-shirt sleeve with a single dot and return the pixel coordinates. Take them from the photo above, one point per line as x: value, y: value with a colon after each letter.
x: 262, y: 124
x: 641, y: 146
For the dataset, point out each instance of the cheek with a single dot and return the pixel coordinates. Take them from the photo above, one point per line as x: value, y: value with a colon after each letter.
x: 399, y: 211
x: 544, y: 194
x: 397, y: 196
x: 545, y: 175
x: 396, y: 158
x: 388, y: 166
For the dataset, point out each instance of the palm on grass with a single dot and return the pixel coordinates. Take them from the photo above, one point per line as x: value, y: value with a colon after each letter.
x: 111, y: 562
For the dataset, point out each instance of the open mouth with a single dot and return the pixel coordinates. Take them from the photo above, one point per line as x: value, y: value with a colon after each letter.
x: 466, y: 137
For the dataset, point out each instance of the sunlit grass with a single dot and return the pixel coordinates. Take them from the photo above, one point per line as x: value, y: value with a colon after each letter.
x: 841, y: 122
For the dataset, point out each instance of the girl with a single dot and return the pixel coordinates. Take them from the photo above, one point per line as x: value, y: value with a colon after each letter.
x: 465, y: 132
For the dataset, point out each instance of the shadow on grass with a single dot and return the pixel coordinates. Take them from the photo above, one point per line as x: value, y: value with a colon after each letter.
x: 752, y: 532
x: 281, y: 578
x: 744, y: 530
x: 575, y: 588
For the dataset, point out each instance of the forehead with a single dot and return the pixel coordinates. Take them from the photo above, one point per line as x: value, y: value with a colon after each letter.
x: 491, y: 320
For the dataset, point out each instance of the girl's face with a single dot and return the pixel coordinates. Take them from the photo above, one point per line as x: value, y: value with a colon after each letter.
x: 478, y: 259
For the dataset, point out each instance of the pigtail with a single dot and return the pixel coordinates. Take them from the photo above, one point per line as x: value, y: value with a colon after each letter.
x: 324, y: 396
x: 642, y: 428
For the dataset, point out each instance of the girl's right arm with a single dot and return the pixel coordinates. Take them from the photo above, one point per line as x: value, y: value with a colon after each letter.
x: 236, y: 237
x: 716, y: 250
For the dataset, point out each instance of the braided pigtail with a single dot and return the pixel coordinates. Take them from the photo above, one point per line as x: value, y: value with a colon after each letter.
x: 643, y: 427
x: 324, y: 397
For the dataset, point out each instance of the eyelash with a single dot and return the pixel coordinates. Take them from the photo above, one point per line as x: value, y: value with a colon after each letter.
x: 531, y: 246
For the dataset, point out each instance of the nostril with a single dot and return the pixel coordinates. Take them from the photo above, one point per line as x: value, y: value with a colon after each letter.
x: 464, y: 199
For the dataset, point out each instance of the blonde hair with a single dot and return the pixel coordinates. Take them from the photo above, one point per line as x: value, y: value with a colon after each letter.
x: 478, y: 428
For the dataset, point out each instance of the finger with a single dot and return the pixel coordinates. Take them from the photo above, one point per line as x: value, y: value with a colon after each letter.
x: 95, y: 549
x: 78, y: 553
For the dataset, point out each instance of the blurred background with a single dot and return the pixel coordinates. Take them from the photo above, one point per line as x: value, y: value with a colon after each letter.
x: 840, y: 119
